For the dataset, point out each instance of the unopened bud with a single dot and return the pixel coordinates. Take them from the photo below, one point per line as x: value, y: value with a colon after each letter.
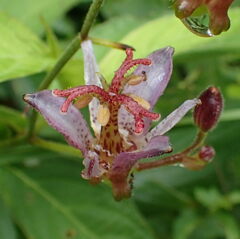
x: 207, y: 113
x: 206, y: 153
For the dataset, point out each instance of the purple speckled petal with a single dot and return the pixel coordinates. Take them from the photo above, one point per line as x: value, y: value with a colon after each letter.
x: 71, y: 124
x: 93, y: 169
x: 125, y: 161
x: 173, y: 118
x: 158, y: 75
x: 91, y: 78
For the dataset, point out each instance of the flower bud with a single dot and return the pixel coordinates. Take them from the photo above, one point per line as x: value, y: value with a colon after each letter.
x: 206, y: 153
x: 200, y: 159
x: 207, y: 113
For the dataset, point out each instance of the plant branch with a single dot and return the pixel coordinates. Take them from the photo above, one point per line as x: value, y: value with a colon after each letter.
x: 65, y: 57
x: 175, y: 158
x: 90, y: 17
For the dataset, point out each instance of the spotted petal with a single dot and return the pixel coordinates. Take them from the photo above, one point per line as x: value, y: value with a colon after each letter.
x: 91, y: 78
x: 172, y: 119
x: 158, y: 75
x: 71, y: 124
x: 125, y: 161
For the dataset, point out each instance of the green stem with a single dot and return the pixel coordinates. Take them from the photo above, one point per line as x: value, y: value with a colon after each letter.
x: 197, y: 142
x: 56, y: 147
x: 89, y: 19
x: 65, y: 57
x: 13, y: 141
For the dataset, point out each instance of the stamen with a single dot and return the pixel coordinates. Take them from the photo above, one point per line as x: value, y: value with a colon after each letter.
x: 126, y: 65
x: 145, y: 104
x: 139, y: 125
x: 103, y: 115
x: 73, y: 93
x: 136, y: 105
x: 135, y: 79
x: 137, y: 111
x: 83, y: 101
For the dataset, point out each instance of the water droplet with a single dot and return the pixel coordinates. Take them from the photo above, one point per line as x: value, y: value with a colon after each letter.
x: 198, y: 25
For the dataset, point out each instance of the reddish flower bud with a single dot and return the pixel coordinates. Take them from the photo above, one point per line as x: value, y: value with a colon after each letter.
x: 207, y: 113
x: 200, y: 159
x: 206, y: 153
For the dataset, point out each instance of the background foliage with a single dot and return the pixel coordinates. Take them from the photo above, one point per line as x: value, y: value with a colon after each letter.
x: 41, y: 193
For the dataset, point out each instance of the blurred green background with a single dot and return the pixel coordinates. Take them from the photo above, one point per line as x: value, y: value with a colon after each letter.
x: 42, y: 195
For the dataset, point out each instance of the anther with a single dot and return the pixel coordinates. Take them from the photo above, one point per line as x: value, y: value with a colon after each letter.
x: 103, y: 115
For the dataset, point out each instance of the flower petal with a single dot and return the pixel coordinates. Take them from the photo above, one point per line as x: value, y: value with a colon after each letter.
x: 91, y: 78
x: 173, y: 118
x: 158, y: 75
x: 125, y: 161
x: 92, y: 169
x: 71, y: 124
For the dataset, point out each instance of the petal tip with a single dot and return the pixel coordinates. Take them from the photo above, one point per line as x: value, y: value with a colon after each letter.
x: 170, y: 50
x: 28, y: 98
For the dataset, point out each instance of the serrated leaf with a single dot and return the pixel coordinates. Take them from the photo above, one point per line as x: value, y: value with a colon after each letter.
x: 21, y: 52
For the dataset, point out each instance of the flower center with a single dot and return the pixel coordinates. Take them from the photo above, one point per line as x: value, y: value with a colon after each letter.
x: 111, y: 99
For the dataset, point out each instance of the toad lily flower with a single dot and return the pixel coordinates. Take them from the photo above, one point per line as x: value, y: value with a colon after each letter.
x: 120, y: 114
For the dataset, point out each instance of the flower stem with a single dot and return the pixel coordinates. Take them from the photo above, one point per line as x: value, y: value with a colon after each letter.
x: 175, y: 158
x: 89, y: 19
x: 197, y: 142
x: 65, y: 57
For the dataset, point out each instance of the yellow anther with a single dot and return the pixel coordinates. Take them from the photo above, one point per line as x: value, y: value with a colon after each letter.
x: 145, y: 104
x: 135, y: 79
x: 83, y: 101
x: 103, y: 115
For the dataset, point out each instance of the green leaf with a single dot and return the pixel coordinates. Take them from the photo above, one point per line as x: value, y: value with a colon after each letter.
x: 185, y: 224
x: 54, y: 197
x: 169, y: 31
x: 7, y: 230
x: 29, y: 11
x: 137, y: 8
x: 229, y: 225
x: 212, y: 199
x: 12, y: 118
x: 72, y: 74
x: 22, y: 53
